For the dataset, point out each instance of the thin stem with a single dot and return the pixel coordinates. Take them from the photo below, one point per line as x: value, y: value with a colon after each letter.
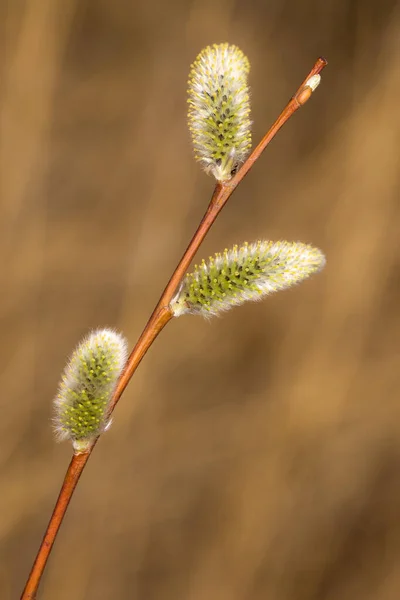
x: 161, y: 315
x: 72, y: 475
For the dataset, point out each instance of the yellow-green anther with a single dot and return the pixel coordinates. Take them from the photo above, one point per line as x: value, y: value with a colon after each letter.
x: 246, y: 273
x: 219, y: 109
x: 87, y: 385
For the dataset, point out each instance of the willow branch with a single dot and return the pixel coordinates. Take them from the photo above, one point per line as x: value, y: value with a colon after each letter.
x: 161, y: 315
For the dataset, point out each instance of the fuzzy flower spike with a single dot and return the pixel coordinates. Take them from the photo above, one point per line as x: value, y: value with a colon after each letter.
x: 89, y: 380
x: 246, y: 273
x: 219, y: 109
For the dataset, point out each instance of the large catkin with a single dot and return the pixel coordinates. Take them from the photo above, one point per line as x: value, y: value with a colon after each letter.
x: 246, y: 273
x: 219, y: 109
x: 89, y: 380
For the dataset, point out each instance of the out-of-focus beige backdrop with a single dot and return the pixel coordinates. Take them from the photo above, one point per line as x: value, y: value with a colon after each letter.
x: 253, y: 456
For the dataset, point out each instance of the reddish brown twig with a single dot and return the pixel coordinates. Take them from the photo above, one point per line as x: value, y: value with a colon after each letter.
x: 72, y: 475
x: 160, y: 317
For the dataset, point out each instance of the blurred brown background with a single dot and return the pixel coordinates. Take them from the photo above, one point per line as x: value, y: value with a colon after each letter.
x: 255, y: 456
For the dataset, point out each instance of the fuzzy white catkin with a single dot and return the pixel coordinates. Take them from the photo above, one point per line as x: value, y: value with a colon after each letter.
x: 246, y: 273
x: 89, y: 380
x: 219, y: 109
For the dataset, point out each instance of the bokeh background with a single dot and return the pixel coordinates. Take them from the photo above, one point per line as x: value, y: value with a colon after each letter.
x: 253, y: 456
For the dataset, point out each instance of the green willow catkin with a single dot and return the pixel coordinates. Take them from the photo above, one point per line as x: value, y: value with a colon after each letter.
x: 89, y: 380
x: 219, y: 109
x: 246, y: 273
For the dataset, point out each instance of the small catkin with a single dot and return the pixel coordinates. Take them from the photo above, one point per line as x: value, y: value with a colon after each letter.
x: 219, y: 109
x: 89, y: 380
x: 246, y: 273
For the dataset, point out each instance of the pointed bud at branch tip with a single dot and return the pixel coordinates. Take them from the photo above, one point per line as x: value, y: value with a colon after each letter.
x: 246, y: 273
x: 219, y: 109
x: 308, y: 88
x: 313, y: 82
x: 88, y: 383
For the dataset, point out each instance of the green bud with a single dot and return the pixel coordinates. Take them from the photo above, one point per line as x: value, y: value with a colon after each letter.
x: 89, y: 380
x: 219, y: 109
x: 246, y: 273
